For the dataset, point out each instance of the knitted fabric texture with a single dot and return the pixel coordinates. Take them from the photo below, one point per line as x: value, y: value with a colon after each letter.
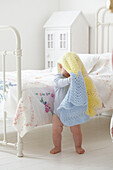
x: 73, y: 107
x: 72, y: 63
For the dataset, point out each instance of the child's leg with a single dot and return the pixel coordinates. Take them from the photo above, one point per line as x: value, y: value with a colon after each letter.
x: 77, y: 136
x: 57, y: 128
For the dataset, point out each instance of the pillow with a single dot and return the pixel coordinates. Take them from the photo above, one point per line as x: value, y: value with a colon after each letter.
x: 104, y: 65
x: 89, y: 60
x: 97, y: 63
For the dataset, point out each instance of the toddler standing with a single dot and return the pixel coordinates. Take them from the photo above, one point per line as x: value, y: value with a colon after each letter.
x: 62, y: 82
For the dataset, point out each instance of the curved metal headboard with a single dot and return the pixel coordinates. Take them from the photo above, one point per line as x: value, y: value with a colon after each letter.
x: 17, y: 53
x: 100, y: 22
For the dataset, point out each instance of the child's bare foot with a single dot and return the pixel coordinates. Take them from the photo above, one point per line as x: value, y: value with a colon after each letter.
x: 55, y: 150
x: 80, y: 150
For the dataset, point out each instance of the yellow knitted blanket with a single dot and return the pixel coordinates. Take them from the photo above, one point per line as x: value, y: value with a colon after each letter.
x: 72, y: 63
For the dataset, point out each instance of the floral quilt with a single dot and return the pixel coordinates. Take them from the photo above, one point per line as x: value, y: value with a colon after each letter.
x: 35, y: 108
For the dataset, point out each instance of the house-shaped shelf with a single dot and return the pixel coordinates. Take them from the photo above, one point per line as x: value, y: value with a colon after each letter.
x: 65, y: 31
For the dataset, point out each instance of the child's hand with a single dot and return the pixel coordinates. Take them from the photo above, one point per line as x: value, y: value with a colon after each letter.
x: 70, y: 78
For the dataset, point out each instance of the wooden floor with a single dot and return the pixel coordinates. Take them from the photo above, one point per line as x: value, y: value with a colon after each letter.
x: 37, y: 144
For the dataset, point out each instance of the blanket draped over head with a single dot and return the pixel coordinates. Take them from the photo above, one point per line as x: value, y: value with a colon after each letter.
x: 83, y: 96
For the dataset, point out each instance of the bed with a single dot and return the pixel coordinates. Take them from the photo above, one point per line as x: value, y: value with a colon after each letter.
x: 28, y: 96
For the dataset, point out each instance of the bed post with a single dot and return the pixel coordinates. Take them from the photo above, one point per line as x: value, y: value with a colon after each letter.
x: 19, y: 146
x: 18, y: 54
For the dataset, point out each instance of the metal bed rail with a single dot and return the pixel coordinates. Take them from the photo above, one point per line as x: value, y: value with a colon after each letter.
x: 17, y: 53
x: 100, y: 22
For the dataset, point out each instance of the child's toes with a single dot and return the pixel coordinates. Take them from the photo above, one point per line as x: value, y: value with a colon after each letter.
x: 55, y: 150
x: 80, y: 150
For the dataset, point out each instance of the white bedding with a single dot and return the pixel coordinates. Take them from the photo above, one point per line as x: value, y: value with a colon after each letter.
x: 36, y: 105
x: 104, y: 86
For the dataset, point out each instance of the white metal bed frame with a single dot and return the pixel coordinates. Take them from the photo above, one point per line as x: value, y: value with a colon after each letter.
x: 18, y: 53
x: 101, y: 23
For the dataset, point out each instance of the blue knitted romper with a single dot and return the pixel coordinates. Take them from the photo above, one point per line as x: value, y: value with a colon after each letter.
x: 71, y: 103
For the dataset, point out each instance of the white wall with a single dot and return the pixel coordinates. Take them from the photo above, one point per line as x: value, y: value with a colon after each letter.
x: 89, y: 8
x: 28, y: 16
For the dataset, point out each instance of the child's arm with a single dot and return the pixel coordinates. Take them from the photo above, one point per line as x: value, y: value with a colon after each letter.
x: 59, y: 82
